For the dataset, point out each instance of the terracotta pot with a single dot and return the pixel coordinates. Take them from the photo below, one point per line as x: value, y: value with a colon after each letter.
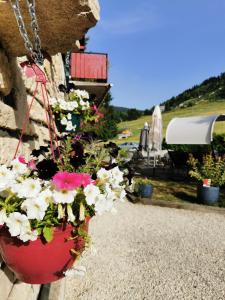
x: 39, y: 262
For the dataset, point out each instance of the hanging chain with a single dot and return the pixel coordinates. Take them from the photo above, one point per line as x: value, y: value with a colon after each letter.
x: 35, y: 51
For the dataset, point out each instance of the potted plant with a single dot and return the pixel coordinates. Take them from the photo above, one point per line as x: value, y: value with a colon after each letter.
x: 45, y: 207
x: 211, y: 176
x: 143, y: 187
x: 72, y: 109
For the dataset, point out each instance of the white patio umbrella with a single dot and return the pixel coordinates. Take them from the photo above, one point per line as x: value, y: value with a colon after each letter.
x: 155, y: 134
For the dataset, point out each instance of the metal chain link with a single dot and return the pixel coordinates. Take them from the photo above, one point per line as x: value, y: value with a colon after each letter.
x: 35, y: 28
x: 35, y: 51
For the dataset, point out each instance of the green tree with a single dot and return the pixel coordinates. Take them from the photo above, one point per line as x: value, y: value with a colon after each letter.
x: 133, y: 114
x: 107, y: 126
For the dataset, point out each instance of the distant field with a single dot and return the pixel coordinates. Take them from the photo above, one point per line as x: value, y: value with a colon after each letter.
x: 202, y: 108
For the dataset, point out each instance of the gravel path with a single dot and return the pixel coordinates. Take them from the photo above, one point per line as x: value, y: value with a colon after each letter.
x: 146, y: 252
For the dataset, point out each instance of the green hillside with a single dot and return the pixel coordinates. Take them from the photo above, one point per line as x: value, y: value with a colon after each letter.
x: 212, y: 89
x: 203, y: 107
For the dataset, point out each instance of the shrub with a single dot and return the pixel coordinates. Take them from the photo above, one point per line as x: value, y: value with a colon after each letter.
x: 210, y: 168
x: 140, y: 181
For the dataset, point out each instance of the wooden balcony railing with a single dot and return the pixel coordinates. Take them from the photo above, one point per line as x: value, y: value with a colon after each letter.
x: 89, y: 67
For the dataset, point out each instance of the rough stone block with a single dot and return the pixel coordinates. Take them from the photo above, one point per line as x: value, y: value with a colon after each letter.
x: 57, y: 290
x: 61, y: 24
x: 24, y: 291
x: 5, y: 74
x: 8, y: 146
x: 6, y: 283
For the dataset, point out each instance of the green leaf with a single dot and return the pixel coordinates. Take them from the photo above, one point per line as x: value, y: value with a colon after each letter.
x: 48, y: 234
x: 39, y: 230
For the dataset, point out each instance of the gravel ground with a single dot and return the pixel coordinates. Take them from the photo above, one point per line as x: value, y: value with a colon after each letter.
x: 146, y: 252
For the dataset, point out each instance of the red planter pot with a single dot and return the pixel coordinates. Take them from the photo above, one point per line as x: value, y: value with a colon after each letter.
x: 39, y: 262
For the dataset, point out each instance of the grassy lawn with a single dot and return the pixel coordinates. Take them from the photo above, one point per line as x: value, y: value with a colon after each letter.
x: 173, y: 191
x: 178, y: 192
x: 202, y: 108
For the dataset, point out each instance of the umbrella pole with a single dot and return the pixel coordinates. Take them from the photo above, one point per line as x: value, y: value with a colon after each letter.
x: 154, y: 163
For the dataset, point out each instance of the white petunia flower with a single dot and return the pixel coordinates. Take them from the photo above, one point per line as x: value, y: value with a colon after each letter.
x: 73, y: 105
x: 17, y: 224
x: 104, y: 175
x: 63, y: 105
x: 64, y: 196
x: 117, y: 178
x: 3, y: 217
x: 115, y: 183
x: 102, y: 205
x: 85, y: 104
x: 35, y: 208
x: 71, y: 217
x: 46, y: 195
x: 82, y: 103
x: 7, y: 178
x: 69, y: 116
x: 91, y: 192
x: 82, y: 94
x: 15, y: 187
x: 117, y: 174
x: 110, y: 196
x: 107, y: 188
x: 120, y: 194
x: 18, y: 167
x: 29, y: 188
x: 69, y: 126
x: 29, y: 236
x: 64, y: 121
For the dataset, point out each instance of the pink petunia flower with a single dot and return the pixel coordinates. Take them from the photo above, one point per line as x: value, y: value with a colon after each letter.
x: 70, y: 181
x: 85, y: 179
x: 32, y: 164
x: 22, y: 160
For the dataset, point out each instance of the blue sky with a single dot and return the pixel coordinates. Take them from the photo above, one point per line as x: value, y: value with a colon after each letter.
x: 158, y: 48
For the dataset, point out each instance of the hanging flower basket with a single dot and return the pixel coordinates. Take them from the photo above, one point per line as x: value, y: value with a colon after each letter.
x: 38, y: 262
x: 45, y: 203
x: 72, y: 109
x: 44, y: 221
